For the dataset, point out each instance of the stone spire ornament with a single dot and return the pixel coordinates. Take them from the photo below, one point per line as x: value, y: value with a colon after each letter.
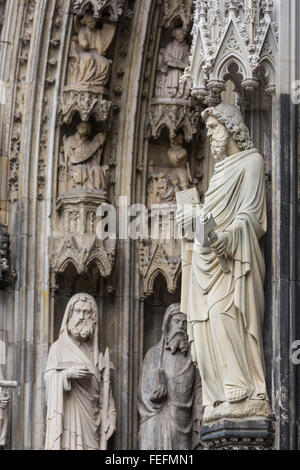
x: 229, y: 32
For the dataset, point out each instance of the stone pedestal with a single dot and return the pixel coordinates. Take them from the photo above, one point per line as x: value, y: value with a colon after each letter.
x: 239, y: 434
x: 78, y: 243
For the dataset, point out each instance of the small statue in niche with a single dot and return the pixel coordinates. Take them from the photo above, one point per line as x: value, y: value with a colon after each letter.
x: 165, y: 183
x: 160, y: 189
x: 177, y: 154
x: 80, y: 161
x: 170, y: 390
x: 88, y: 68
x: 81, y: 412
x: 171, y: 64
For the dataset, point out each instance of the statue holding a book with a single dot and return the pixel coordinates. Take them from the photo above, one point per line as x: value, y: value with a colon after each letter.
x: 223, y: 271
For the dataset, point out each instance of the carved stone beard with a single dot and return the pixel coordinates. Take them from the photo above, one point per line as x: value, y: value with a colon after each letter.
x: 219, y: 147
x: 81, y: 329
x: 178, y: 341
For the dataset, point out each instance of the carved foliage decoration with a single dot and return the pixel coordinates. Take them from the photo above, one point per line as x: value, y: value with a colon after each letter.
x: 15, y: 162
x: 112, y: 9
x: 230, y: 32
x: 2, y: 10
x: 5, y: 270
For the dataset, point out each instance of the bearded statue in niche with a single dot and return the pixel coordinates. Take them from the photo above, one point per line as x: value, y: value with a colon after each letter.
x: 81, y: 412
x: 80, y: 161
x: 170, y: 390
x: 88, y: 68
x: 171, y: 64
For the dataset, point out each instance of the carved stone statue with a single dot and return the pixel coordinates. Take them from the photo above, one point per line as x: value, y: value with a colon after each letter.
x: 169, y: 390
x: 225, y: 309
x: 160, y: 189
x: 171, y: 64
x: 177, y: 155
x: 89, y: 69
x: 80, y: 161
x: 81, y: 413
x: 165, y: 183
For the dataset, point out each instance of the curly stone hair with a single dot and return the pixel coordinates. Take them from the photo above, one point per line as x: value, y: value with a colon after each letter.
x: 231, y: 117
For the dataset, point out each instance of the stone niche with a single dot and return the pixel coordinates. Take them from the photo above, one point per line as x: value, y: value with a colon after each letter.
x: 80, y: 260
x: 154, y: 309
x: 174, y: 152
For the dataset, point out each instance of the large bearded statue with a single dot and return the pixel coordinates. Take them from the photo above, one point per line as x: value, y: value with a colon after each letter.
x: 225, y: 310
x: 170, y: 390
x: 81, y: 412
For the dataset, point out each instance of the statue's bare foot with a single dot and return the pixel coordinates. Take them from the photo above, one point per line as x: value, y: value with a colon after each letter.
x: 235, y: 396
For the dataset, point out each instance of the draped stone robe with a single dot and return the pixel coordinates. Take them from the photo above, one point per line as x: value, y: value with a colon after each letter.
x: 83, y: 162
x: 169, y: 424
x: 73, y: 406
x: 225, y: 311
x: 94, y: 67
x: 174, y: 52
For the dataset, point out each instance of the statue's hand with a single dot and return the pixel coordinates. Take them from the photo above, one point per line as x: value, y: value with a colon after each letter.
x: 159, y: 394
x: 78, y: 372
x: 4, y: 402
x: 220, y: 245
x: 101, y: 137
x: 111, y: 426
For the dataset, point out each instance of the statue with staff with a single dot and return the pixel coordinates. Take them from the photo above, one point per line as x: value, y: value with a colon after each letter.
x: 81, y: 412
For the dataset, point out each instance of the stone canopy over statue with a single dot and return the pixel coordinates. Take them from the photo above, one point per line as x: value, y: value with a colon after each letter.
x: 225, y: 307
x: 170, y: 390
x: 89, y: 68
x: 80, y: 167
x: 81, y: 413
